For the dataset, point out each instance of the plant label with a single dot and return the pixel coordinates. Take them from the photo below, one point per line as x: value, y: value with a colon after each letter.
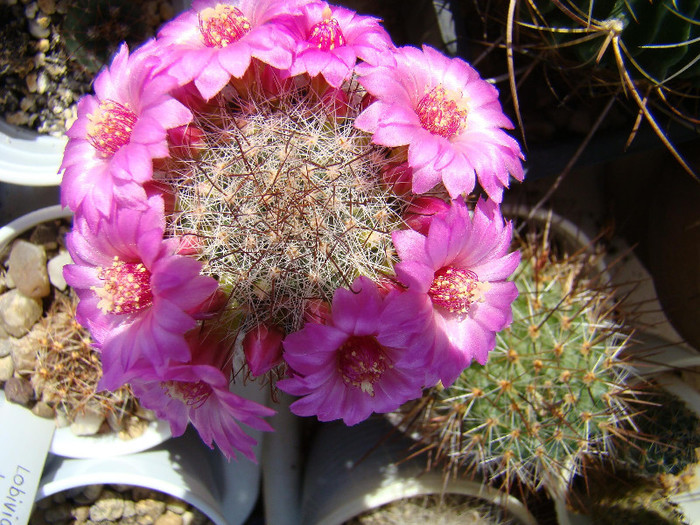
x: 25, y: 442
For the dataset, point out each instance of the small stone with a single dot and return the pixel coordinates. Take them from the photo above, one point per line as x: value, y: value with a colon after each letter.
x: 109, y: 507
x: 20, y: 118
x: 56, y: 70
x: 42, y: 82
x: 44, y: 410
x: 129, y: 509
x: 176, y: 505
x: 81, y: 514
x: 47, y: 6
x: 87, y: 423
x: 6, y: 343
x: 37, y: 30
x: 24, y: 355
x: 27, y: 102
x: 27, y: 267
x: 62, y: 7
x: 169, y: 518
x: 7, y: 368
x: 55, y: 269
x: 150, y: 508
x: 18, y: 313
x: 31, y: 10
x: 42, y: 20
x: 39, y: 60
x: 43, y: 45
x: 19, y: 390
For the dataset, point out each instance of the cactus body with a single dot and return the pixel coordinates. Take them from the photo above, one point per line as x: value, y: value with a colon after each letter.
x: 553, y: 389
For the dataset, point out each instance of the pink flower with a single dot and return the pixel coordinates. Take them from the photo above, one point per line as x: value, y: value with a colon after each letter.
x: 367, y: 358
x: 330, y: 39
x: 461, y: 267
x: 198, y: 392
x: 137, y: 297
x: 119, y: 131
x: 262, y: 347
x: 216, y: 40
x: 448, y: 116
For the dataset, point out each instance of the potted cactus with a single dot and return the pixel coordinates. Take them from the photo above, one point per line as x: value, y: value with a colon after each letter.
x: 555, y: 390
x: 50, y: 365
x: 51, y: 50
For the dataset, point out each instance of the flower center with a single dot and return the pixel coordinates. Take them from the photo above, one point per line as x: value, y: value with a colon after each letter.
x: 327, y: 35
x: 361, y: 362
x: 456, y: 290
x: 126, y: 288
x: 190, y: 393
x: 110, y: 127
x: 440, y: 113
x: 222, y: 25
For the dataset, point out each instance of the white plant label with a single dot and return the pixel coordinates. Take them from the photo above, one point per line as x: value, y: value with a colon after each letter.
x: 24, y: 445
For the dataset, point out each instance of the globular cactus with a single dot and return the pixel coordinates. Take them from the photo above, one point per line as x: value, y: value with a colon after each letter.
x: 666, y: 441
x: 285, y: 202
x: 659, y: 40
x: 68, y: 369
x: 647, y: 50
x: 554, y: 389
x: 609, y: 497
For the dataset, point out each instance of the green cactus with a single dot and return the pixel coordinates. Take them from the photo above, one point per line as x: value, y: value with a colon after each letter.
x: 660, y: 39
x: 667, y: 439
x: 647, y: 50
x: 621, y: 496
x: 554, y: 389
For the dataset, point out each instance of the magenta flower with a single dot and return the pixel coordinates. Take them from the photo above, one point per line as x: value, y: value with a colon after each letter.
x: 367, y: 358
x: 330, y: 39
x: 448, y: 116
x: 119, y: 131
x: 216, y: 40
x: 137, y: 297
x: 198, y: 392
x: 461, y: 267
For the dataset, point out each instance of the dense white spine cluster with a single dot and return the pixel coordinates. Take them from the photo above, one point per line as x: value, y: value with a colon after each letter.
x: 286, y: 203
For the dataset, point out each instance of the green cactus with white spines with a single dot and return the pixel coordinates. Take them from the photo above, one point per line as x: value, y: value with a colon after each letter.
x: 554, y: 389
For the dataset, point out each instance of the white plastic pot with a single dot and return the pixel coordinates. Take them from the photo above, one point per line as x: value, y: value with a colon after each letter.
x: 28, y: 158
x: 183, y: 468
x: 65, y: 443
x: 351, y: 470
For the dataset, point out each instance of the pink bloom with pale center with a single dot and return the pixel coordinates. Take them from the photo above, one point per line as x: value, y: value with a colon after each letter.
x: 199, y: 392
x: 366, y: 358
x: 330, y: 39
x: 137, y: 296
x: 448, y: 116
x: 118, y: 133
x: 461, y: 267
x: 216, y: 40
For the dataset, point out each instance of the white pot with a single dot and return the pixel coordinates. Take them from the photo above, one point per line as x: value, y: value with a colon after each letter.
x: 28, y: 158
x: 183, y: 468
x: 351, y: 470
x: 64, y: 442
